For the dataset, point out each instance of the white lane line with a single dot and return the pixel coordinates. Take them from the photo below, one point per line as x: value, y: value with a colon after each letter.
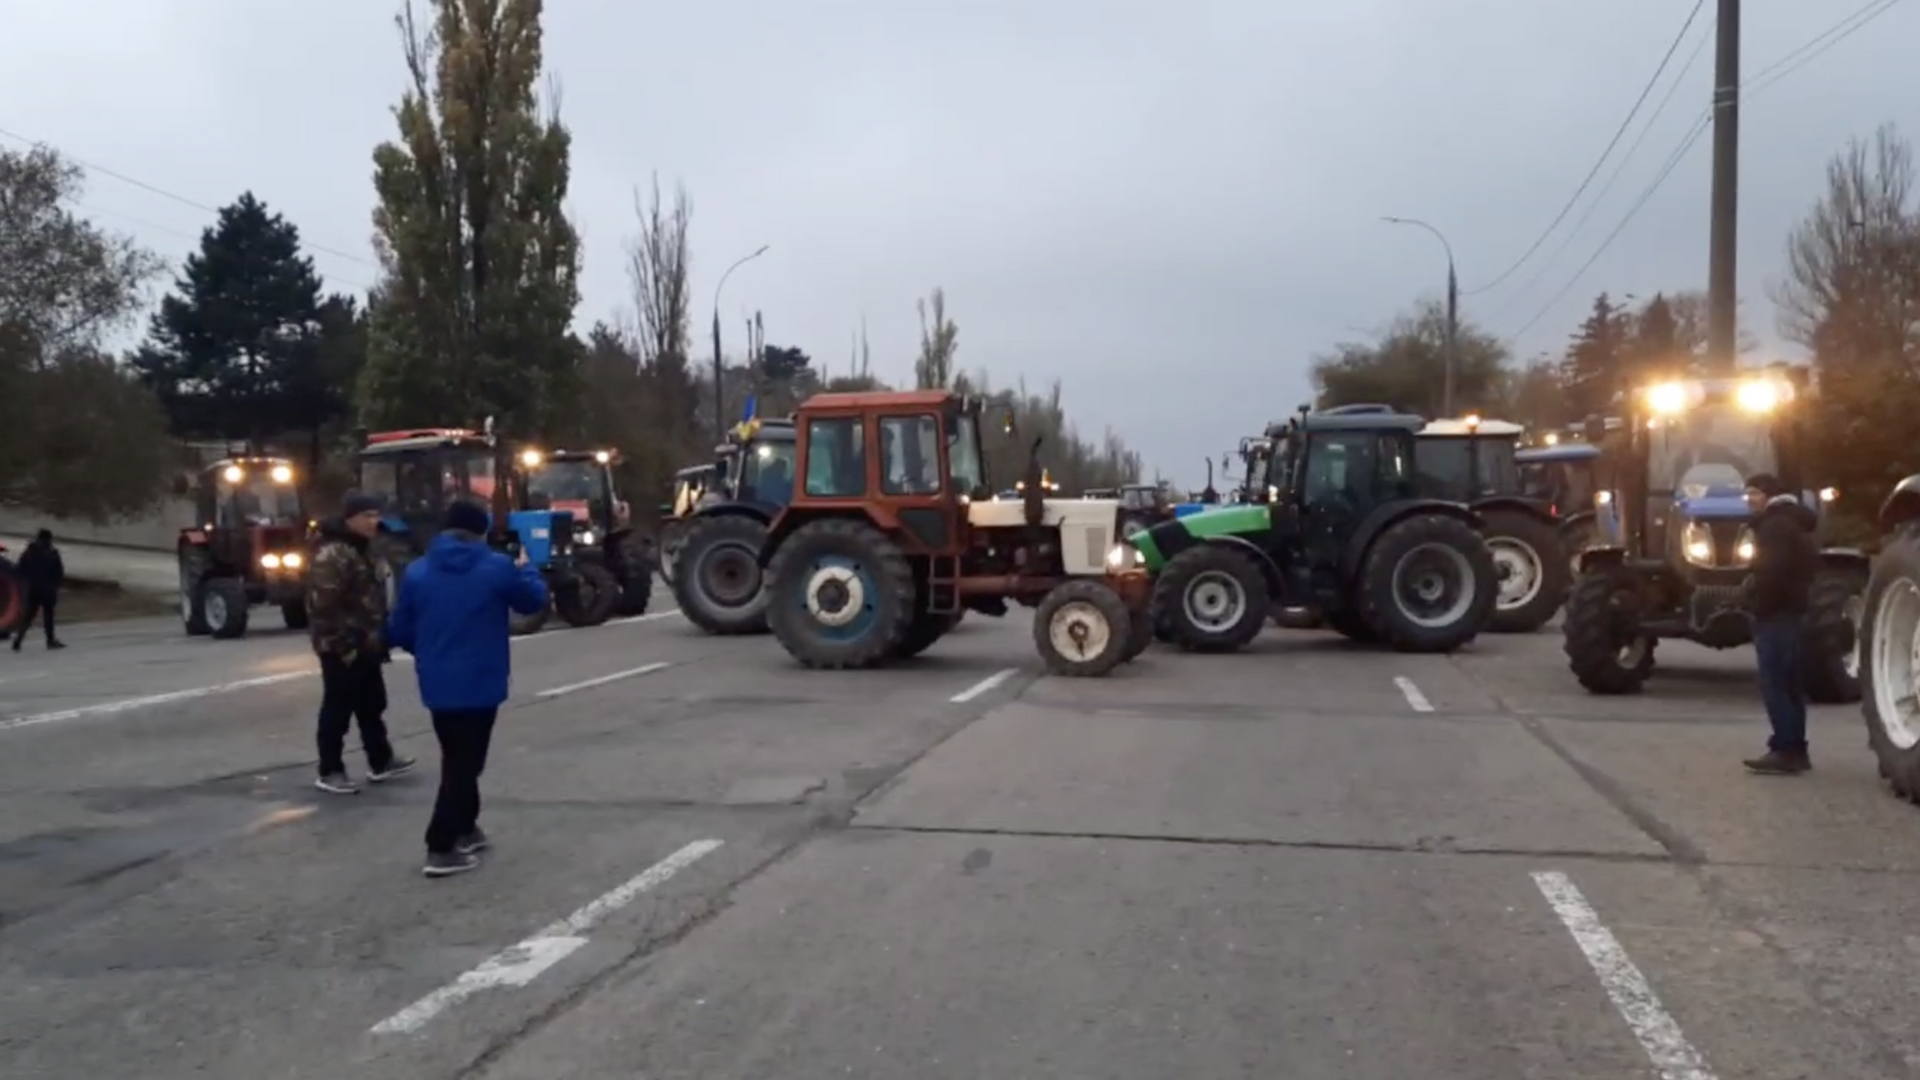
x: 521, y: 964
x: 109, y: 707
x: 984, y: 685
x: 1412, y: 693
x: 588, y: 684
x: 1632, y: 996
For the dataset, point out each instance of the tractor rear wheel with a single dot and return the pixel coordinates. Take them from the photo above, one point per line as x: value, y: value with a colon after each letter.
x: 718, y: 582
x: 927, y: 628
x: 1832, y: 661
x: 673, y: 538
x: 1083, y: 629
x: 636, y: 575
x: 223, y: 602
x: 589, y: 599
x: 12, y: 600
x: 1348, y: 624
x: 294, y: 614
x: 1603, y: 642
x: 1427, y: 584
x: 1139, y: 633
x: 1213, y: 598
x: 193, y: 614
x: 840, y: 594
x: 1890, y: 663
x: 1531, y: 567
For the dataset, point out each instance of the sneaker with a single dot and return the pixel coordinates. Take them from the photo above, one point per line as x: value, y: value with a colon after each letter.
x: 337, y: 783
x: 56, y: 645
x: 1779, y: 763
x: 399, y: 766
x: 447, y: 864
x: 473, y: 843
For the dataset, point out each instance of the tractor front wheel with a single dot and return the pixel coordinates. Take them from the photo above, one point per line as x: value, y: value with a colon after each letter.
x: 1832, y: 661
x: 1213, y: 599
x: 589, y: 599
x: 1139, y: 632
x: 294, y: 614
x: 1083, y: 629
x: 840, y: 595
x: 718, y: 582
x: 928, y: 627
x: 1890, y: 671
x: 1427, y: 584
x: 223, y: 603
x: 1531, y: 566
x: 1603, y: 642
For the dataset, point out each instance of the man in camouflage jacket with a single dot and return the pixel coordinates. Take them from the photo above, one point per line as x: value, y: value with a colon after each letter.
x: 346, y: 618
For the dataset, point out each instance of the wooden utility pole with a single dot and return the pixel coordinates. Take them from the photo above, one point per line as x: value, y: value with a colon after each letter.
x: 1722, y: 295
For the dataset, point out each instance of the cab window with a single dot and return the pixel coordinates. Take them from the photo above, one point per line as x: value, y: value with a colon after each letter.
x: 1341, y: 467
x: 910, y: 455
x: 836, y: 458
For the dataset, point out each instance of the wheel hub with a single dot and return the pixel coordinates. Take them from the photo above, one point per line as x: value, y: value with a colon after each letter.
x: 1433, y: 585
x: 1517, y: 569
x: 730, y: 574
x: 1214, y: 601
x: 835, y: 596
x: 1079, y: 630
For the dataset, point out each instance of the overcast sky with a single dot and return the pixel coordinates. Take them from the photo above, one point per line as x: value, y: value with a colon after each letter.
x: 1168, y: 207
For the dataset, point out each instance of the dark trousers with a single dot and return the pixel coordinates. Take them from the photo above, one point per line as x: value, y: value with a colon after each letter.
x: 1780, y: 648
x: 349, y: 692
x: 41, y: 604
x: 465, y: 735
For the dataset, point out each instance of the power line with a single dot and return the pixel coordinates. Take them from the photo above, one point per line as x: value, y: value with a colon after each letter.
x: 1768, y: 76
x: 165, y: 194
x: 1618, y: 133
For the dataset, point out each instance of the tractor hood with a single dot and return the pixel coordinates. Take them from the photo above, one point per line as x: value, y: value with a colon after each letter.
x: 1712, y: 504
x: 1012, y: 513
x: 1169, y: 538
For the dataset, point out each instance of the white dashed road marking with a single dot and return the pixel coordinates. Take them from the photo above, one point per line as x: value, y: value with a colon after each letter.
x: 522, y: 963
x: 108, y: 707
x: 1412, y: 693
x: 1639, y: 1006
x: 588, y: 684
x: 984, y: 685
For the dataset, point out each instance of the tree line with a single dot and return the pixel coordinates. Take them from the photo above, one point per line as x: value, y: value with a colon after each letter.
x: 471, y: 316
x: 1849, y: 296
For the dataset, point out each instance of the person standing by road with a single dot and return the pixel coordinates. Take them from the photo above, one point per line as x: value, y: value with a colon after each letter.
x: 453, y: 615
x: 347, y: 613
x: 1785, y: 558
x: 41, y: 572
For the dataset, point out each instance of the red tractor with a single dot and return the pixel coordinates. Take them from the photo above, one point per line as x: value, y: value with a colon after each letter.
x: 12, y: 597
x: 248, y: 546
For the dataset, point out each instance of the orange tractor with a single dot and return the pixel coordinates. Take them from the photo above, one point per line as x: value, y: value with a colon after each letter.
x: 247, y: 546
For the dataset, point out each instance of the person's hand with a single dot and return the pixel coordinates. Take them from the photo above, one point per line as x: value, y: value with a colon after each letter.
x: 520, y: 557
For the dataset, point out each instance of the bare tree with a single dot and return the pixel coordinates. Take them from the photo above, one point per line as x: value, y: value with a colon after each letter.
x: 1853, y: 258
x: 658, y: 261
x: 939, y: 340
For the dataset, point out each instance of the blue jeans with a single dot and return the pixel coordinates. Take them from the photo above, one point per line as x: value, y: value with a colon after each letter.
x: 1780, y: 647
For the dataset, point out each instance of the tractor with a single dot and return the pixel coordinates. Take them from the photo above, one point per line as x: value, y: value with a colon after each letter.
x: 693, y: 487
x: 1680, y: 559
x: 1341, y: 530
x: 13, y: 599
x: 1566, y: 477
x: 1890, y: 643
x: 1255, y: 451
x: 1473, y: 461
x: 418, y: 472
x: 891, y: 536
x: 581, y: 482
x: 717, y: 580
x: 247, y: 546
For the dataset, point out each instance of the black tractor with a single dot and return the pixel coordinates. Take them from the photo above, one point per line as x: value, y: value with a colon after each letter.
x: 582, y: 483
x: 247, y: 546
x: 717, y: 578
x: 1342, y: 529
x: 693, y: 487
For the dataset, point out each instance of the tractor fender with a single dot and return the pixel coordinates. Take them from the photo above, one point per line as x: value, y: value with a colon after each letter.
x: 1269, y: 569
x: 785, y: 524
x: 1386, y: 515
x: 764, y: 512
x: 1600, y: 558
x: 1581, y: 517
x: 1515, y: 504
x: 1902, y: 506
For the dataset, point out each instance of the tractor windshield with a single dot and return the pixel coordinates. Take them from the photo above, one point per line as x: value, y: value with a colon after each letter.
x: 1280, y: 462
x: 566, y: 482
x: 964, y: 459
x: 257, y: 500
x: 1713, y: 448
x: 766, y: 472
x: 1255, y: 457
x: 423, y: 482
x: 1466, y: 469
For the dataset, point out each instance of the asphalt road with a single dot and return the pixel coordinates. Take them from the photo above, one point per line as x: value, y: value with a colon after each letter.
x: 1311, y: 862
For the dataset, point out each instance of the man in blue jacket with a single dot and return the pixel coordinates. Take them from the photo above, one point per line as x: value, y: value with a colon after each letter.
x: 452, y: 615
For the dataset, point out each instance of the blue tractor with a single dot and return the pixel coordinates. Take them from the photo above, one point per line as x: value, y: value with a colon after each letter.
x: 1678, y: 563
x: 1565, y: 476
x: 420, y: 471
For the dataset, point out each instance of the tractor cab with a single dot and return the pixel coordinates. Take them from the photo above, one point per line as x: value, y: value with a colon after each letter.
x: 418, y: 472
x: 247, y: 545
x: 1564, y: 475
x: 580, y: 482
x: 1255, y: 453
x: 759, y: 463
x: 690, y: 485
x: 1681, y: 553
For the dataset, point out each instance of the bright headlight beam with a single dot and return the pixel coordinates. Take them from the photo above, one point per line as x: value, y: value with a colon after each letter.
x: 1758, y: 396
x: 1667, y: 398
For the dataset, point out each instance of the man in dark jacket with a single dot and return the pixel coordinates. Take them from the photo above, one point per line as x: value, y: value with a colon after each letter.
x: 41, y: 572
x: 347, y: 613
x: 452, y: 614
x: 1785, y: 559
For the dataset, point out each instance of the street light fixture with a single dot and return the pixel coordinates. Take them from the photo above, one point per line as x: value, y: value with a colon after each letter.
x: 719, y: 398
x: 1453, y: 308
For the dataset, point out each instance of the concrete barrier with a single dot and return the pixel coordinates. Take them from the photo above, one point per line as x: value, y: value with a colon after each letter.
x: 156, y: 573
x: 155, y: 531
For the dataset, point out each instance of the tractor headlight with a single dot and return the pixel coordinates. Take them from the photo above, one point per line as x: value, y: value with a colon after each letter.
x: 1696, y: 542
x: 270, y: 561
x: 587, y: 538
x: 1122, y: 557
x: 1667, y: 398
x: 1743, y: 548
x: 1602, y: 498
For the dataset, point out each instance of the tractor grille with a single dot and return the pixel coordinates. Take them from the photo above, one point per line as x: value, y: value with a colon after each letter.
x: 1726, y: 537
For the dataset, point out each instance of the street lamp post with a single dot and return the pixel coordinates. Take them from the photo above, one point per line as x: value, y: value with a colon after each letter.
x: 1451, y: 348
x: 719, y: 375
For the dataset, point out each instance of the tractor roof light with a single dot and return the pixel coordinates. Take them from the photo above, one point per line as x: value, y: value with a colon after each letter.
x: 234, y: 474
x: 530, y: 458
x: 602, y: 456
x: 1763, y: 395
x: 1668, y: 399
x: 282, y: 474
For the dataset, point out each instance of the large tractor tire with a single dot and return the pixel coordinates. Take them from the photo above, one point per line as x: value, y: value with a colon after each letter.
x: 1139, y: 633
x: 591, y: 598
x: 928, y: 627
x: 840, y: 595
x: 636, y: 575
x: 223, y: 603
x: 1531, y: 567
x: 673, y: 540
x: 294, y: 614
x: 1832, y: 662
x: 522, y: 625
x: 193, y: 614
x: 1083, y: 629
x: 1212, y: 598
x: 1348, y: 624
x: 718, y: 582
x: 1602, y: 638
x: 13, y: 601
x: 1427, y: 584
x: 1575, y: 538
x: 1890, y: 663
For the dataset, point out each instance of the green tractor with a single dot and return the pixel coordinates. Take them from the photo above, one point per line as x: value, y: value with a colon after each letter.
x: 1340, y: 528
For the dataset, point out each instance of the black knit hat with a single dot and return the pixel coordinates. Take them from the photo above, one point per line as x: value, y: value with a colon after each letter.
x: 1766, y: 484
x: 466, y: 517
x: 359, y: 502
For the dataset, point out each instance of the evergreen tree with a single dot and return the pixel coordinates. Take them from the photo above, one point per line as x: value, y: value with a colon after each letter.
x: 1594, y: 369
x: 480, y: 262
